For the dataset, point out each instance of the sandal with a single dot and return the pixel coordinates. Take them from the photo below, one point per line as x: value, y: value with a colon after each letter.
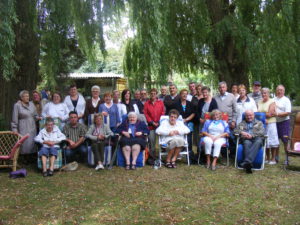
x: 133, y: 167
x: 127, y: 167
x: 174, y: 165
x: 169, y: 165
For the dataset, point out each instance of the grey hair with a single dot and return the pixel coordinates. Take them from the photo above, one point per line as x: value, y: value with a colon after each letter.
x: 215, y: 111
x: 280, y: 85
x: 132, y: 114
x: 173, y: 85
x: 23, y: 92
x: 49, y: 120
x: 95, y: 87
x: 222, y: 82
x: 266, y: 90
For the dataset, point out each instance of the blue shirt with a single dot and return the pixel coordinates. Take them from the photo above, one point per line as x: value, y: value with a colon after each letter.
x: 113, y: 113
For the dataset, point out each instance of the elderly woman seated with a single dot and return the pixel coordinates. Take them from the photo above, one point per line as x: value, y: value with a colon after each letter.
x: 132, y: 140
x: 97, y: 133
x: 174, y: 131
x: 49, y: 137
x: 215, y: 132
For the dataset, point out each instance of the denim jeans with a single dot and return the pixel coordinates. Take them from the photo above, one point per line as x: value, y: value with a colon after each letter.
x: 81, y: 150
x: 251, y: 148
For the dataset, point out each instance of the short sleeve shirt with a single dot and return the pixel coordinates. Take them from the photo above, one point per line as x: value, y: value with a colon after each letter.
x: 283, y: 104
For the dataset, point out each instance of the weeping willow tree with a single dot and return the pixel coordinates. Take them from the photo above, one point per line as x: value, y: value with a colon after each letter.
x: 41, y: 39
x: 237, y: 41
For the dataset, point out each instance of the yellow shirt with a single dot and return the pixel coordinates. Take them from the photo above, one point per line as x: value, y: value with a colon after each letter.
x: 264, y: 107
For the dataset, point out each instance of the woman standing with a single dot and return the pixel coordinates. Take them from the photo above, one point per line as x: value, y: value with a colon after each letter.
x: 244, y: 103
x: 205, y: 104
x: 92, y: 105
x: 199, y: 94
x: 56, y: 109
x: 23, y: 121
x: 75, y: 102
x: 110, y: 111
x: 187, y: 110
x: 268, y: 106
x: 127, y: 104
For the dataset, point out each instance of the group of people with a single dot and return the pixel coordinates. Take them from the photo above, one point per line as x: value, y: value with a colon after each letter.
x: 76, y: 119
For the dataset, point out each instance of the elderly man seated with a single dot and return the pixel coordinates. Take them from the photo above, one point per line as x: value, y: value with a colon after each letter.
x: 251, y: 132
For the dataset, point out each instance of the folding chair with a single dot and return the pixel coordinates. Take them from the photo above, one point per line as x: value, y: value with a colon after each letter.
x: 294, y: 143
x: 10, y: 143
x: 61, y: 159
x: 107, y: 148
x: 207, y: 116
x: 118, y: 154
x: 259, y: 162
x: 163, y: 145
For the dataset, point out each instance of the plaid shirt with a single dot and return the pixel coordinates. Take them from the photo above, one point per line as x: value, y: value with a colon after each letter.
x: 257, y: 130
x: 74, y: 133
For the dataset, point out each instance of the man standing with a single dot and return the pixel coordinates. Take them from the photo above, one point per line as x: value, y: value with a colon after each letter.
x: 171, y: 99
x: 193, y: 92
x: 256, y: 93
x: 163, y: 93
x: 283, y: 111
x: 137, y: 101
x: 75, y: 134
x: 227, y: 103
x: 153, y: 110
x: 251, y: 132
x: 144, y: 96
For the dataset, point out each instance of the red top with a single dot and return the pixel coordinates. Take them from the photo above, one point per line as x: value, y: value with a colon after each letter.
x: 153, y: 112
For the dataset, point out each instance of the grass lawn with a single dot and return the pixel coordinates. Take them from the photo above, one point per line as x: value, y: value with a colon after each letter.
x: 186, y: 195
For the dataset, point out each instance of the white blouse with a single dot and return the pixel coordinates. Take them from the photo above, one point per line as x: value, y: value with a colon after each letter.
x: 59, y: 110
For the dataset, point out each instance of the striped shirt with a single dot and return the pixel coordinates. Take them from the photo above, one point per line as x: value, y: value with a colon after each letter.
x: 74, y: 133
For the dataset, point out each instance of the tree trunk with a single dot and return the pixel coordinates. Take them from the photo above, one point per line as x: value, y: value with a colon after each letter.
x: 231, y: 65
x: 27, y: 58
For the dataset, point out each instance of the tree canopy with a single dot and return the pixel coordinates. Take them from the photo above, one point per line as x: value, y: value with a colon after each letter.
x: 237, y: 41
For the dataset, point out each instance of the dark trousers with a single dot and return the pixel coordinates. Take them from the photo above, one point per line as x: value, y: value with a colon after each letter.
x: 251, y: 148
x: 98, y: 150
x: 81, y: 150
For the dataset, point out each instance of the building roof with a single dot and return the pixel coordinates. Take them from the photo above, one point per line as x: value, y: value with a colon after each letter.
x: 94, y: 75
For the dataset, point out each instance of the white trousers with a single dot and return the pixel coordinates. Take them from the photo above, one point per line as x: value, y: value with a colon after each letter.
x: 216, y: 145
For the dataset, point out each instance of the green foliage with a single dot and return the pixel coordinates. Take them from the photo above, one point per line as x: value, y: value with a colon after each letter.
x: 7, y: 38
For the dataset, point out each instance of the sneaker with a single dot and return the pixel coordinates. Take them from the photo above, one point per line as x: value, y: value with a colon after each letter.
x: 99, y: 167
x: 267, y: 161
x: 272, y: 162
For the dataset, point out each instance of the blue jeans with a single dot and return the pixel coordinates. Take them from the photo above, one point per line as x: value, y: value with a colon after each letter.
x: 251, y: 148
x: 81, y: 150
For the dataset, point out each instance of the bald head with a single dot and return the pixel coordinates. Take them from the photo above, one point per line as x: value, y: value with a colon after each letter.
x: 249, y: 115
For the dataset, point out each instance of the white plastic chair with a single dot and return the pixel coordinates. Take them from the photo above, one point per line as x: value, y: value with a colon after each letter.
x: 163, y: 144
